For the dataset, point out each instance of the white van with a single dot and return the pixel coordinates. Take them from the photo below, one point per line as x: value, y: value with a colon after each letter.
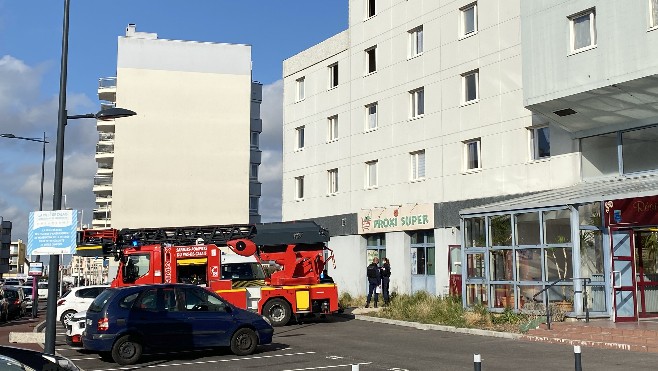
x: 42, y: 290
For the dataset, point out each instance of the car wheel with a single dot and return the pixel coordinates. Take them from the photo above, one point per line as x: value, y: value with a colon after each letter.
x: 66, y: 316
x: 278, y: 311
x: 126, y: 351
x: 244, y: 342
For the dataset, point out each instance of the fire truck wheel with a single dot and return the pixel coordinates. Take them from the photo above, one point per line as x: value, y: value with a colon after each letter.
x: 278, y: 311
x: 126, y: 350
x: 244, y: 342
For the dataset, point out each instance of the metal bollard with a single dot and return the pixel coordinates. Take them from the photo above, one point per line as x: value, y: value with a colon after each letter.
x: 355, y: 367
x: 477, y: 362
x: 577, y: 354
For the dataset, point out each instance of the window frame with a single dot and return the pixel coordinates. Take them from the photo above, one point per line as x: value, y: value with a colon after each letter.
x: 592, y: 30
x: 253, y: 170
x: 332, y: 128
x: 371, y: 60
x: 416, y: 42
x: 478, y: 153
x: 299, y: 187
x: 415, y: 165
x: 254, y: 203
x: 300, y: 88
x: 417, y: 102
x: 332, y: 181
x: 254, y: 139
x: 465, y: 90
x: 653, y: 14
x: 375, y: 115
x: 300, y: 137
x: 371, y: 8
x: 372, y: 174
x: 462, y: 29
x: 534, y: 142
x: 333, y: 75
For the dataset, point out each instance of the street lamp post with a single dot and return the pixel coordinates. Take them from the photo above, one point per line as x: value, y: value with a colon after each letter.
x: 107, y: 114
x: 35, y: 296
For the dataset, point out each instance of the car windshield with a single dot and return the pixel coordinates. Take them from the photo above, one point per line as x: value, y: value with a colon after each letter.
x: 27, y: 290
x: 100, y: 301
x: 11, y: 294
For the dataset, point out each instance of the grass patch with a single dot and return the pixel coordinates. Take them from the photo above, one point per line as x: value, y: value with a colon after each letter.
x: 447, y: 310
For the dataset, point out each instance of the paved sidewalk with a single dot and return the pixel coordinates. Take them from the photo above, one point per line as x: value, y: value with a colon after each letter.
x: 26, y: 324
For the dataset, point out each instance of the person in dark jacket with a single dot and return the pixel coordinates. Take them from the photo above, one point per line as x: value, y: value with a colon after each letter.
x: 374, y: 280
x: 386, y: 278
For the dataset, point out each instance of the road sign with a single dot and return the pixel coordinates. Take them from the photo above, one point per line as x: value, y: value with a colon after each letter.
x: 52, y: 232
x: 36, y: 269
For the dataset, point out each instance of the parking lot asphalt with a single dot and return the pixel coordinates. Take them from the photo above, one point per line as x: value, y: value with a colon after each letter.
x: 25, y: 324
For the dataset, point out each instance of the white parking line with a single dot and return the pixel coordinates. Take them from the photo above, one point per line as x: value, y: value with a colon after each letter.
x: 325, y: 367
x: 206, y: 362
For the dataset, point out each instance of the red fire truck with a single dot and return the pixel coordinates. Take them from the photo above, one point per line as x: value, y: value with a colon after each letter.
x: 229, y: 260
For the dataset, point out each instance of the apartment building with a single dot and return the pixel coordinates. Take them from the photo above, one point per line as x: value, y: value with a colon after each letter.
x: 17, y: 258
x: 5, y: 242
x: 488, y: 148
x: 190, y: 156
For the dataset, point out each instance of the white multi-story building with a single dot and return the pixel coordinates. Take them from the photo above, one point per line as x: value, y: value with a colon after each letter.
x: 17, y: 258
x: 474, y: 144
x: 190, y: 156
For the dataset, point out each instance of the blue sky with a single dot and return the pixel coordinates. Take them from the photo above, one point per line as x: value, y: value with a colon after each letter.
x: 30, y: 51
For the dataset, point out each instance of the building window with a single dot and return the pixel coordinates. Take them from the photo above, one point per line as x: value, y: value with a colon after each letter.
x: 371, y: 174
x: 583, y: 30
x: 370, y: 8
x: 371, y: 59
x: 422, y: 253
x: 472, y: 154
x: 253, y: 204
x: 416, y: 41
x: 371, y: 116
x: 299, y: 187
x: 299, y: 135
x: 653, y: 8
x: 541, y: 142
x: 332, y: 128
x: 254, y: 139
x: 469, y: 19
x: 417, y: 165
x: 253, y: 171
x: 301, y: 94
x: 332, y: 176
x: 375, y: 246
x: 333, y: 75
x: 470, y: 86
x: 417, y: 102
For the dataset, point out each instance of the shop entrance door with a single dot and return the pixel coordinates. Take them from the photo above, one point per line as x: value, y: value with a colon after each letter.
x: 623, y: 275
x: 646, y: 268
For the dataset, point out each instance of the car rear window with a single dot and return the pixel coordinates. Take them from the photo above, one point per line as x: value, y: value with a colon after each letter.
x: 100, y: 301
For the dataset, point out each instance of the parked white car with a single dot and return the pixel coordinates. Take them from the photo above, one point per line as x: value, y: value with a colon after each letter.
x: 42, y: 290
x: 74, y: 329
x: 77, y: 300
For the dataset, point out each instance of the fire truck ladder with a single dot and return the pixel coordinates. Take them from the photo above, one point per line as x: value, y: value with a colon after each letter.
x: 185, y: 236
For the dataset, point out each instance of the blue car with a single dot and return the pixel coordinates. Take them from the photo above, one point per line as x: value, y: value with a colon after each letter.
x: 123, y: 322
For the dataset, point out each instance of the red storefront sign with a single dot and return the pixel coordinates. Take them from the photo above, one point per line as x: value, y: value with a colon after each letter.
x: 631, y: 212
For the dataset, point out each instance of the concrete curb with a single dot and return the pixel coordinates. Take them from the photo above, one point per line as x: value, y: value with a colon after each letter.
x: 425, y: 326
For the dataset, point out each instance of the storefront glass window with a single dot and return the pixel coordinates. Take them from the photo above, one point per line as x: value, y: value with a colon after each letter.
x: 476, y: 294
x: 474, y: 232
x: 591, y: 254
x: 635, y: 146
x: 561, y: 293
x: 559, y: 264
x: 529, y: 264
x: 590, y: 214
x: 422, y: 252
x: 475, y: 265
x: 557, y: 226
x: 527, y: 229
x: 503, y: 296
x: 376, y: 247
x: 501, y: 265
x: 501, y: 230
x: 527, y: 295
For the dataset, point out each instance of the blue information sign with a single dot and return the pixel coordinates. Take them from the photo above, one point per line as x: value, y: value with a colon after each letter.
x: 52, y: 232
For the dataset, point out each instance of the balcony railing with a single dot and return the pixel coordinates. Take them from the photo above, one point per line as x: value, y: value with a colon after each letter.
x: 100, y: 181
x: 107, y: 105
x: 104, y: 148
x: 107, y: 82
x: 105, y: 136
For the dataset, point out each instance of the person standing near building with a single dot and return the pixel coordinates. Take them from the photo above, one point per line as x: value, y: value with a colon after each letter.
x: 374, y: 280
x: 386, y: 278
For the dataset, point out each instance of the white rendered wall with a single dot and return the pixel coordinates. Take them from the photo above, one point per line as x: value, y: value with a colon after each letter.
x: 499, y: 118
x: 184, y: 158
